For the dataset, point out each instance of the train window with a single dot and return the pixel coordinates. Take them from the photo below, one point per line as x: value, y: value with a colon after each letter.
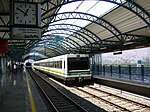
x: 64, y: 64
x: 60, y: 64
x: 78, y: 63
x: 56, y: 65
x: 50, y: 64
x: 28, y: 64
x: 47, y: 64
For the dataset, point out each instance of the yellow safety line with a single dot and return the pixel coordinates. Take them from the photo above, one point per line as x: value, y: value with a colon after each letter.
x: 30, y: 96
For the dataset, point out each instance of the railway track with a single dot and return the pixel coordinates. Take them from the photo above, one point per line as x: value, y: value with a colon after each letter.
x: 122, y: 104
x: 59, y: 102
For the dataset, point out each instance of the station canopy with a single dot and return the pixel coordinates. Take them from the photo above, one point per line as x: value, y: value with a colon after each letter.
x: 81, y: 26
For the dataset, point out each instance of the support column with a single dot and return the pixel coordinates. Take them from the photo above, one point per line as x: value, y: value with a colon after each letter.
x: 3, y: 54
x: 4, y: 64
x: 0, y: 66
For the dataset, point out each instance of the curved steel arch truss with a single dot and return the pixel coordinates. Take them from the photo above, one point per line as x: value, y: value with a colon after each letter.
x: 77, y: 47
x: 66, y: 44
x: 84, y: 16
x: 54, y: 50
x: 45, y: 51
x: 64, y: 49
x: 130, y: 5
x: 73, y: 34
x: 76, y: 28
x: 67, y: 49
x: 81, y: 49
x: 49, y: 43
x: 71, y: 41
x: 48, y: 51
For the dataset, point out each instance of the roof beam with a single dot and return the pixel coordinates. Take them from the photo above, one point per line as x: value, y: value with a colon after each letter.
x: 51, y: 37
x: 84, y: 16
x: 70, y: 33
x: 130, y: 5
x: 79, y: 29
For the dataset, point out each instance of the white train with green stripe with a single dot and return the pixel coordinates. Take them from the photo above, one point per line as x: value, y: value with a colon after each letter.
x: 68, y: 68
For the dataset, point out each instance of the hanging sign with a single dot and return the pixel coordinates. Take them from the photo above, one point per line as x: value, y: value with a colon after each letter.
x: 26, y: 33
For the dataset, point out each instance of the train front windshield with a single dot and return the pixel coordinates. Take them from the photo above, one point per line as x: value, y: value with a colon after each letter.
x: 78, y: 63
x: 28, y: 64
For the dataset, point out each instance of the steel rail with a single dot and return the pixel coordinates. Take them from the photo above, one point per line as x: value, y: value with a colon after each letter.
x: 94, y: 96
x: 59, y: 98
x: 139, y: 104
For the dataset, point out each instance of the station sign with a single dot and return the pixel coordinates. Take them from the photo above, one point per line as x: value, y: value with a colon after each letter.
x: 26, y: 33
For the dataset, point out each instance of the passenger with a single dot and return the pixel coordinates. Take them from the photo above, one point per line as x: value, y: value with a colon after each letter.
x: 21, y: 68
x: 9, y: 68
x: 12, y: 68
x: 15, y: 69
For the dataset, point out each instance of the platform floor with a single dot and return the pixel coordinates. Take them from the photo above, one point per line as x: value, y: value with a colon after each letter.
x: 15, y: 94
x: 138, y: 88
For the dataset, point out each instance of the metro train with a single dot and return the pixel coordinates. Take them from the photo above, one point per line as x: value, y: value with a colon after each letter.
x: 69, y: 68
x: 28, y: 65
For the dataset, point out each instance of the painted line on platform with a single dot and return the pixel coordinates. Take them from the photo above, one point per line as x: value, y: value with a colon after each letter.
x: 30, y: 95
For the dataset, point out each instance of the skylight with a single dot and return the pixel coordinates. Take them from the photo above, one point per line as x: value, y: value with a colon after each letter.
x: 96, y: 8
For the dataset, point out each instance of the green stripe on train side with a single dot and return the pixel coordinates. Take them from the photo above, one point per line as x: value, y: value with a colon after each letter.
x: 49, y: 70
x: 61, y: 73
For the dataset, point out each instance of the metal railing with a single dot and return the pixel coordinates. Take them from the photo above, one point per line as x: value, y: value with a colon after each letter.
x: 134, y: 73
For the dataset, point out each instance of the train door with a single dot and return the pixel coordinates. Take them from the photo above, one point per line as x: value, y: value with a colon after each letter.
x: 63, y: 65
x: 0, y: 66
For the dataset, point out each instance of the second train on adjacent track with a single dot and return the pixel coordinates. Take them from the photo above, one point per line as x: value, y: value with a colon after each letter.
x: 69, y: 68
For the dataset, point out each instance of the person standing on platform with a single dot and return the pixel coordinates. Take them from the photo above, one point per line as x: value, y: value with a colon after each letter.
x: 15, y: 69
x: 21, y: 67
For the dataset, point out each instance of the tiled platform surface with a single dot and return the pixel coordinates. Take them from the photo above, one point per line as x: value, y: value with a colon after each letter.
x: 14, y: 95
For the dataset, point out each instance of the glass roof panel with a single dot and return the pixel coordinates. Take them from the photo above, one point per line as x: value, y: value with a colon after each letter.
x: 96, y: 8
